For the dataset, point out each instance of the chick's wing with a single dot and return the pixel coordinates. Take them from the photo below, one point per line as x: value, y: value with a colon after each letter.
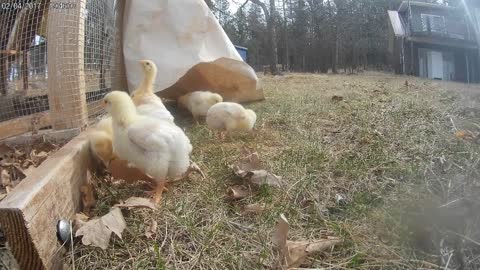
x: 149, y: 137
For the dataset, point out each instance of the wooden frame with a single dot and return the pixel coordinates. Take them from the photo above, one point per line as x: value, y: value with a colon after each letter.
x: 120, y: 81
x: 29, y: 123
x: 29, y: 214
x: 65, y: 52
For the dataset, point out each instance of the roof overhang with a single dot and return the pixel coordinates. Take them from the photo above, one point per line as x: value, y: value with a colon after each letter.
x: 396, y: 23
x: 404, y: 6
x: 443, y: 42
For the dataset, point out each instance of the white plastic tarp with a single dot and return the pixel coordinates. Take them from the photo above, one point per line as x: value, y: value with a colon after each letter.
x: 189, y: 47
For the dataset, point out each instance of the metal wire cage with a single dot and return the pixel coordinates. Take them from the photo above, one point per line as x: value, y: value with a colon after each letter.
x: 57, y: 60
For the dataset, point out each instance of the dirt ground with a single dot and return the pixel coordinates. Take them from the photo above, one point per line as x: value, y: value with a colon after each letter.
x: 389, y: 164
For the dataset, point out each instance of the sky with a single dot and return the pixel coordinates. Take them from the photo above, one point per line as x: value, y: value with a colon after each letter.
x: 233, y: 6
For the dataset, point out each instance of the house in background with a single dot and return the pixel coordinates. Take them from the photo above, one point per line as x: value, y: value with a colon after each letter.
x: 433, y: 41
x: 242, y: 51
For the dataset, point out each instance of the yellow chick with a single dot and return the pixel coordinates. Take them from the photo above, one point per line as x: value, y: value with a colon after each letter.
x: 159, y: 148
x: 145, y: 99
x: 198, y: 103
x: 230, y: 117
x: 100, y: 141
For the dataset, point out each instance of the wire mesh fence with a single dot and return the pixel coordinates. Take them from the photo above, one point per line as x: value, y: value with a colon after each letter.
x: 57, y: 60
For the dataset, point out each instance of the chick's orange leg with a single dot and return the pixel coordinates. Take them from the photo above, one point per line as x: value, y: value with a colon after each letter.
x: 159, y: 189
x: 154, y: 187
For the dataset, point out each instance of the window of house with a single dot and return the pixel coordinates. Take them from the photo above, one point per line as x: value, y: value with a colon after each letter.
x: 433, y: 23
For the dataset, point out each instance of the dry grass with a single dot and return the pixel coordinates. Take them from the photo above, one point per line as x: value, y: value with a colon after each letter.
x: 388, y: 148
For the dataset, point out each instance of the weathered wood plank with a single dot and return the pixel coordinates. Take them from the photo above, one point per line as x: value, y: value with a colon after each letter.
x: 66, y: 69
x: 120, y: 78
x: 51, y: 135
x: 24, y: 124
x: 29, y: 214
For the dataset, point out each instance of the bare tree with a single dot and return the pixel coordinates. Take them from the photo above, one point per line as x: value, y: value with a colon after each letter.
x: 270, y: 19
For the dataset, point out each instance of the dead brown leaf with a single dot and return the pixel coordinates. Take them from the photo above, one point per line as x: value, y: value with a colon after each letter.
x: 26, y: 164
x: 250, y: 169
x: 39, y: 157
x: 298, y: 251
x: 18, y: 173
x: 337, y: 98
x: 115, y: 222
x: 237, y: 192
x: 262, y: 177
x: 5, y: 178
x: 295, y: 253
x: 280, y: 234
x: 136, y: 202
x: 250, y: 162
x: 255, y: 208
x: 18, y: 154
x: 79, y: 220
x: 151, y: 229
x: 460, y: 134
x: 466, y: 135
x: 97, y: 232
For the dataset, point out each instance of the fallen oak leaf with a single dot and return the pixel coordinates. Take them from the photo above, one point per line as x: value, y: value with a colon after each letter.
x: 26, y: 164
x: 18, y: 154
x: 280, y: 235
x: 250, y: 162
x: 465, y: 134
x: 250, y: 169
x: 460, y: 134
x: 136, y: 202
x: 115, y: 222
x: 151, y: 229
x: 95, y: 233
x: 298, y: 251
x: 337, y: 98
x: 294, y: 253
x: 18, y: 172
x: 5, y: 178
x: 79, y: 220
x: 237, y: 192
x: 39, y: 157
x: 262, y: 177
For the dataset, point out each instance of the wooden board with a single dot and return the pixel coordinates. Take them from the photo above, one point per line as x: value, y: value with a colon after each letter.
x: 120, y: 78
x: 24, y: 124
x: 29, y: 214
x: 51, y: 135
x: 11, y: 52
x: 65, y: 50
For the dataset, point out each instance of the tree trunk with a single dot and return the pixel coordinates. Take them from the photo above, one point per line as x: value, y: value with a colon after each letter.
x: 286, y: 37
x: 272, y: 44
x: 335, y: 53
